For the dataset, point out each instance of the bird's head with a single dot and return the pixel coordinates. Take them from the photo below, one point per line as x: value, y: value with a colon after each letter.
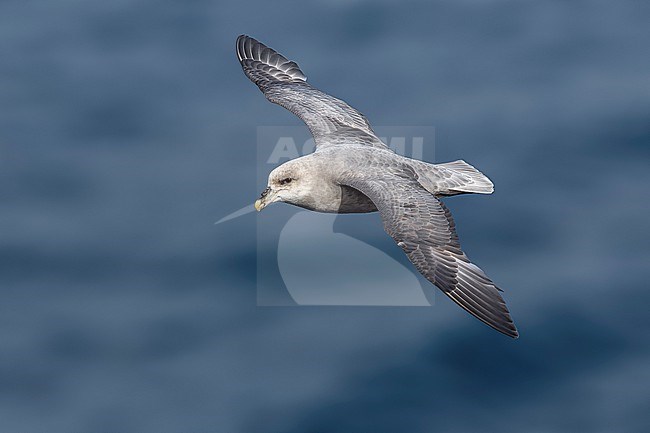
x: 289, y: 183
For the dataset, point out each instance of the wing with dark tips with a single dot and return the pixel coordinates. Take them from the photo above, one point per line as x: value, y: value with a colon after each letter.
x: 283, y: 83
x: 423, y: 227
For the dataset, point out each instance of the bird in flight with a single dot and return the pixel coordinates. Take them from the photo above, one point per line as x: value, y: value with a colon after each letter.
x: 353, y: 171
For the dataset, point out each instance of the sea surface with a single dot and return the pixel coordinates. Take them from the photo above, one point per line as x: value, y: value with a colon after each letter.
x: 127, y: 129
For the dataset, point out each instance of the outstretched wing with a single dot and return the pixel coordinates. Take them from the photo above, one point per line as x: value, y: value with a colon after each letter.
x: 423, y: 227
x: 283, y: 83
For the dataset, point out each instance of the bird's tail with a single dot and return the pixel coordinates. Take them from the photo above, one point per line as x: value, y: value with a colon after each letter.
x: 451, y: 178
x: 469, y: 179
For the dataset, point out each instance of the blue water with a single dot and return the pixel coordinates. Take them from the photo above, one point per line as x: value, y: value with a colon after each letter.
x: 127, y: 129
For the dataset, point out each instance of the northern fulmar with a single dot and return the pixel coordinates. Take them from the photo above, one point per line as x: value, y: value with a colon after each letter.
x: 353, y: 171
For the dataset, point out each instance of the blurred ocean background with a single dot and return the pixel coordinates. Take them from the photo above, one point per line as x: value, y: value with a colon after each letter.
x: 127, y: 129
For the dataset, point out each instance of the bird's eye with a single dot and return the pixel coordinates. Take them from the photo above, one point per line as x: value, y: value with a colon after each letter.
x: 285, y: 181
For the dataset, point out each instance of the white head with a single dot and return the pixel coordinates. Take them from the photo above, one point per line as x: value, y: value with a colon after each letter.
x: 292, y: 182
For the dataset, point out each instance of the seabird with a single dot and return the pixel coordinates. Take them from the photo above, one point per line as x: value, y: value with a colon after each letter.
x: 353, y: 171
